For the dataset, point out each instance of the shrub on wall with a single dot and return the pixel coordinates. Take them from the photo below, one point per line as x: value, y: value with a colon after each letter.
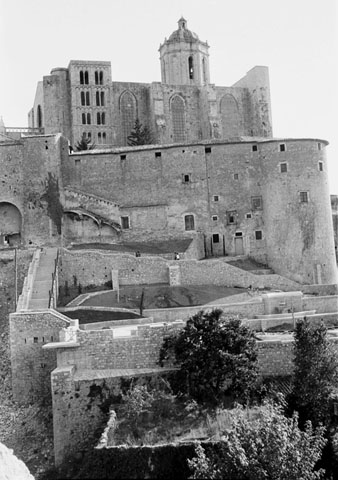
x: 215, y: 353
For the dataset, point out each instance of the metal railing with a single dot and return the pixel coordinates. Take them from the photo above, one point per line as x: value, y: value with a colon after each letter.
x: 54, y: 281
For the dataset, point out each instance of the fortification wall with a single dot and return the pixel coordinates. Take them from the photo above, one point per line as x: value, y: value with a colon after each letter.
x: 94, y: 268
x: 31, y: 365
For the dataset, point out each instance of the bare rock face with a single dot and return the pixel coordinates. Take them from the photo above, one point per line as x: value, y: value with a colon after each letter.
x: 11, y: 468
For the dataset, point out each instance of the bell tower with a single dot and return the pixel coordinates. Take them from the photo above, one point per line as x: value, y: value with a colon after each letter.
x: 184, y: 58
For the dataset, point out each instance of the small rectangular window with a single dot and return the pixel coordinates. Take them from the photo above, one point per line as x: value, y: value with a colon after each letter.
x: 207, y: 149
x: 231, y: 217
x: 189, y: 222
x: 216, y: 198
x: 215, y: 218
x: 319, y: 146
x: 258, y: 235
x: 158, y: 154
x: 215, y: 238
x: 123, y: 157
x: 303, y: 197
x: 35, y: 339
x: 185, y: 178
x: 239, y: 234
x: 283, y: 167
x: 125, y: 223
x: 282, y: 147
x: 320, y: 166
x: 235, y: 176
x: 248, y: 215
x: 256, y: 203
x: 254, y: 148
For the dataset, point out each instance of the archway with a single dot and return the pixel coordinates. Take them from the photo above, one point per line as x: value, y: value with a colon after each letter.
x: 10, y: 224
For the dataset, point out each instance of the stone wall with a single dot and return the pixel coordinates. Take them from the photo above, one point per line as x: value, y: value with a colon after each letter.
x: 94, y: 268
x: 326, y: 304
x: 31, y: 365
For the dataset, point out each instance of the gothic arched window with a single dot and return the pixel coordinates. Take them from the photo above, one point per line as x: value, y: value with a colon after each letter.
x: 39, y: 115
x: 178, y: 118
x: 128, y: 114
x: 230, y: 116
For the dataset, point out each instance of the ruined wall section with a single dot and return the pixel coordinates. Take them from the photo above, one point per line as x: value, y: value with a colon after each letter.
x: 31, y: 365
x: 43, y: 188
x: 56, y: 101
x: 258, y: 84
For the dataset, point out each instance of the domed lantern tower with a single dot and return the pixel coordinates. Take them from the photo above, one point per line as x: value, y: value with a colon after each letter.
x: 184, y: 58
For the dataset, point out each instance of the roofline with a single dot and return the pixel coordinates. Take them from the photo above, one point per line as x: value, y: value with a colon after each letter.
x: 139, y: 148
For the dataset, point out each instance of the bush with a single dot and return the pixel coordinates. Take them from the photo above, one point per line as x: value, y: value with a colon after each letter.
x: 215, y: 353
x: 271, y: 446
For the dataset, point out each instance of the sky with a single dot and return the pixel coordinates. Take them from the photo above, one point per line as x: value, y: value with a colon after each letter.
x: 296, y: 39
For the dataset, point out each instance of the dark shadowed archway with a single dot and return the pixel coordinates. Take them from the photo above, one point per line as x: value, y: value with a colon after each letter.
x: 10, y: 224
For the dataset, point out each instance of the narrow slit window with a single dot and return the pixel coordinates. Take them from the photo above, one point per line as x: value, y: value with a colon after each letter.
x: 96, y: 78
x: 191, y: 67
x: 88, y: 118
x: 102, y: 98
x: 101, y: 78
x: 83, y: 102
x: 104, y: 137
x: 84, y: 119
x: 97, y: 98
x: 87, y: 99
x: 319, y: 146
x: 86, y: 78
x: 320, y: 166
x: 103, y: 118
x: 81, y: 78
x: 98, y: 118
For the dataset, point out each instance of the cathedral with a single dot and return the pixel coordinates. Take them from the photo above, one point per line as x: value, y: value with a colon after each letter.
x: 185, y: 106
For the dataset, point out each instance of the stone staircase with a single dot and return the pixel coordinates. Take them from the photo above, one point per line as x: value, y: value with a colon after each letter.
x: 43, y: 281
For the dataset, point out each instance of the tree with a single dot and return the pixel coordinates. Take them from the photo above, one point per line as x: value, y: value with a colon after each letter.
x: 84, y: 144
x: 214, y: 353
x: 315, y: 374
x: 140, y: 135
x: 270, y: 446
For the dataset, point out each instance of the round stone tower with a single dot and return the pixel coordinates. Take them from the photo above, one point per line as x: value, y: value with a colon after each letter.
x: 184, y: 58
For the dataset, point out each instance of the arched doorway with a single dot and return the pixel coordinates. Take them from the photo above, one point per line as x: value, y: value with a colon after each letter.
x: 10, y: 225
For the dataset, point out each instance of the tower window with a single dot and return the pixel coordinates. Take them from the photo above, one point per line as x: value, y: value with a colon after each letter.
x: 248, y: 215
x: 88, y: 119
x: 304, y: 197
x: 189, y: 222
x: 101, y: 78
x: 35, y: 339
x: 158, y: 154
x: 239, y: 234
x: 104, y: 137
x: 83, y: 102
x: 215, y: 238
x: 320, y: 166
x: 81, y: 78
x: 207, y: 149
x: 254, y: 148
x: 214, y: 218
x: 96, y: 78
x: 87, y: 99
x: 86, y: 78
x: 125, y: 223
x: 256, y: 203
x: 123, y: 157
x: 258, y: 235
x: 186, y: 178
x: 102, y: 98
x: 216, y: 198
x: 191, y: 67
x: 235, y: 176
x: 319, y: 146
x: 283, y: 167
x: 282, y: 147
x: 84, y: 119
